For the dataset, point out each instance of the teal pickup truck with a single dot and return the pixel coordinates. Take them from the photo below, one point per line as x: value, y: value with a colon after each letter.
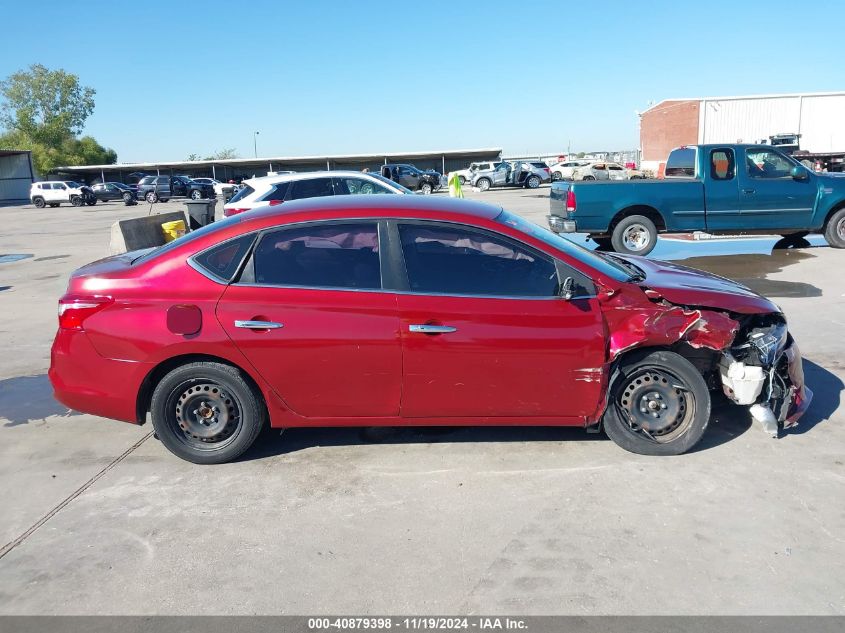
x: 727, y: 189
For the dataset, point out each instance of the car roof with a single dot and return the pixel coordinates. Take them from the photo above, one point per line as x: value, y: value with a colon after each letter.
x: 261, y: 181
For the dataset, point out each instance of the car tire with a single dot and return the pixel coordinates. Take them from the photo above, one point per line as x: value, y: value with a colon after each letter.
x: 834, y: 229
x: 634, y: 235
x: 207, y: 413
x: 426, y: 188
x: 462, y: 180
x: 39, y: 203
x: 77, y: 201
x: 127, y: 197
x: 196, y: 194
x: 151, y: 197
x: 556, y: 176
x: 532, y: 182
x: 659, y: 404
x: 588, y: 178
x: 483, y: 184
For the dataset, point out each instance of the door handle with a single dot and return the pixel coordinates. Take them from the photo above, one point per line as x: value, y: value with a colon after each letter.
x: 258, y: 325
x: 748, y: 191
x: 432, y: 329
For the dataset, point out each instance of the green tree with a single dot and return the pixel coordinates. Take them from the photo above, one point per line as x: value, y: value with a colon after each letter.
x: 223, y: 154
x: 193, y: 157
x: 43, y: 111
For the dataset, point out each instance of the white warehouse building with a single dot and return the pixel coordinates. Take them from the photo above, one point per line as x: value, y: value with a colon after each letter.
x: 818, y: 117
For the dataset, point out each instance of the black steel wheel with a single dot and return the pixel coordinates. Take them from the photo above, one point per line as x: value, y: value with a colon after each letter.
x: 39, y: 203
x: 659, y: 404
x: 77, y: 201
x: 207, y: 413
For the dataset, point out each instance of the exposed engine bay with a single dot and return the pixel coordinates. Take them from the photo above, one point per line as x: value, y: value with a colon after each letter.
x: 762, y: 369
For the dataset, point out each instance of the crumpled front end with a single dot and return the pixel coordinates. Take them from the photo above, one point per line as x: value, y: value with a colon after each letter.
x: 763, y: 370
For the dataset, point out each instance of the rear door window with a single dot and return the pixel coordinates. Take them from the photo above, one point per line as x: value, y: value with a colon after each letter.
x: 342, y: 255
x: 243, y: 192
x: 311, y: 188
x: 277, y: 193
x: 358, y: 186
x: 722, y: 164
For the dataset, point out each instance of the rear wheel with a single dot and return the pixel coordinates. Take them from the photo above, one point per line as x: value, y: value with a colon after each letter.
x: 589, y: 178
x: 834, y: 230
x: 483, y: 184
x: 533, y: 182
x: 659, y: 405
x: 556, y: 176
x: 127, y: 197
x: 39, y: 203
x: 426, y: 188
x: 196, y: 194
x: 207, y: 413
x: 634, y: 235
x: 462, y: 180
x: 77, y: 201
x: 151, y: 197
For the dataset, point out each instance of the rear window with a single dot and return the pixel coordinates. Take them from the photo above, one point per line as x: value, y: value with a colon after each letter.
x: 146, y: 180
x: 243, y: 192
x: 681, y: 163
x: 277, y: 193
x: 540, y: 165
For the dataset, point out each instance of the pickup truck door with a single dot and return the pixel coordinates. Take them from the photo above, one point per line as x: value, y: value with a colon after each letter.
x: 721, y: 191
x: 770, y: 198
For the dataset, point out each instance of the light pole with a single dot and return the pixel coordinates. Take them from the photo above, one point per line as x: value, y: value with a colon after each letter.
x: 255, y: 143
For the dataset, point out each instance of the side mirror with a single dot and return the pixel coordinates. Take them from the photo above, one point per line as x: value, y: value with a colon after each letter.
x: 799, y: 173
x: 567, y: 289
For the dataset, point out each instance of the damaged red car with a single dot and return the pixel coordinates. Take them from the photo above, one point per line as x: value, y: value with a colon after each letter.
x: 398, y: 310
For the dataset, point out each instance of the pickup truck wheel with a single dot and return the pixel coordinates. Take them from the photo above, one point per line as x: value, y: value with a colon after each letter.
x: 483, y: 184
x: 426, y: 188
x: 151, y: 197
x: 834, y: 230
x: 659, y: 405
x: 39, y: 203
x: 634, y: 235
x: 533, y: 182
x: 462, y: 180
x: 196, y: 194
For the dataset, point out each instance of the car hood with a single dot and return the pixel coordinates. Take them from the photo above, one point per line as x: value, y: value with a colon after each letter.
x: 691, y: 287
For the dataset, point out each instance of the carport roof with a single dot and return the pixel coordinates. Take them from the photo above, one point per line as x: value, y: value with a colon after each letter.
x: 316, y: 160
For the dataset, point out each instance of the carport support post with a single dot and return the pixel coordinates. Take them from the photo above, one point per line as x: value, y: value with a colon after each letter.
x: 443, y: 162
x: 328, y: 167
x: 102, y: 177
x: 213, y: 172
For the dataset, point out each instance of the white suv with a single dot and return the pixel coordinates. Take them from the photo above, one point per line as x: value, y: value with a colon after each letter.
x: 273, y: 190
x: 465, y: 175
x: 53, y: 192
x: 566, y: 170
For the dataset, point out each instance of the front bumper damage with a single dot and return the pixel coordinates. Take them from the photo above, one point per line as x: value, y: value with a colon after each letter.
x: 763, y: 370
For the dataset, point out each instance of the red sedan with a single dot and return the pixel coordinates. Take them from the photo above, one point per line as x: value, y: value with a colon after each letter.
x: 398, y: 310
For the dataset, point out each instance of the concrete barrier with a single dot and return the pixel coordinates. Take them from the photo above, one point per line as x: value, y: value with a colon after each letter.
x: 143, y: 232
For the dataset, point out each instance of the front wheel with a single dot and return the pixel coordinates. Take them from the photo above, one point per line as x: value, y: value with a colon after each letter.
x: 39, y: 203
x: 77, y: 201
x: 659, y: 405
x: 426, y: 188
x: 533, y: 182
x: 588, y: 178
x: 483, y: 184
x: 196, y: 194
x: 151, y: 197
x: 462, y: 180
x: 556, y: 176
x: 207, y: 413
x: 834, y: 230
x: 634, y: 235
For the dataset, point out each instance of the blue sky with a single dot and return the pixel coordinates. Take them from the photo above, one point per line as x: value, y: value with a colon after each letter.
x: 315, y: 77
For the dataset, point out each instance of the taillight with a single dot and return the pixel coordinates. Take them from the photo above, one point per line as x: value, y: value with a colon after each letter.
x: 228, y: 212
x: 570, y: 200
x: 74, y: 309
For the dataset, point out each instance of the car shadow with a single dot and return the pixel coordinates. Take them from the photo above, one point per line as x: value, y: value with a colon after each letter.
x: 25, y: 399
x: 827, y: 390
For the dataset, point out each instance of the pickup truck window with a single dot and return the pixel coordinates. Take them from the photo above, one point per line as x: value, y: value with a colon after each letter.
x: 722, y: 164
x: 763, y: 163
x: 681, y: 163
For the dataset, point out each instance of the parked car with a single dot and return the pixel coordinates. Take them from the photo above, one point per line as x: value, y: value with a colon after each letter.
x: 412, y: 178
x: 274, y: 190
x: 512, y: 174
x: 220, y: 188
x: 728, y: 189
x: 601, y: 170
x: 55, y: 192
x: 465, y: 175
x: 162, y: 188
x: 461, y: 314
x: 113, y: 191
x: 565, y: 170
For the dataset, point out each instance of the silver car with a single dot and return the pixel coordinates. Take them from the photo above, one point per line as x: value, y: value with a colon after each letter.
x: 512, y: 174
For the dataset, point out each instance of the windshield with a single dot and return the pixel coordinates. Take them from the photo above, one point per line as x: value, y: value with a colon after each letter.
x: 390, y: 183
x: 599, y: 262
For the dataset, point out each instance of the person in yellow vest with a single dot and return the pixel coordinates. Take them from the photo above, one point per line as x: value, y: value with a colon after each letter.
x: 455, y: 190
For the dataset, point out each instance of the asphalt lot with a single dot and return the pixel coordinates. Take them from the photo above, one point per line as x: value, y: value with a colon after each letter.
x: 518, y: 521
